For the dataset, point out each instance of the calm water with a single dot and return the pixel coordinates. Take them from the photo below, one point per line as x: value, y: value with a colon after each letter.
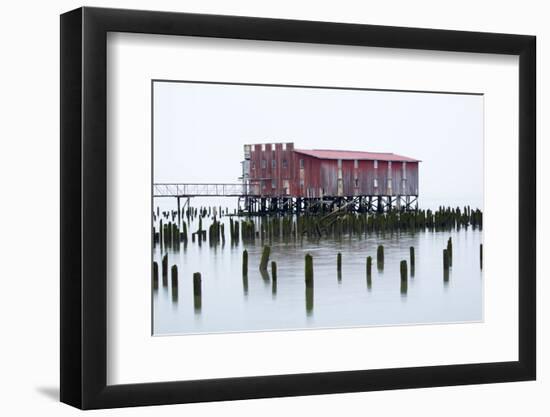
x: 233, y: 304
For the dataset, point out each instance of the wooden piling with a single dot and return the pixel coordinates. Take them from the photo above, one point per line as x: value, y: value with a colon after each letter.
x: 404, y: 282
x: 197, y: 291
x: 245, y: 263
x: 412, y: 260
x: 481, y: 256
x: 403, y: 270
x: 155, y: 275
x: 446, y: 276
x: 450, y: 251
x: 369, y: 272
x: 265, y: 258
x: 274, y: 270
x: 174, y: 283
x: 273, y: 278
x: 339, y: 262
x: 174, y: 275
x: 184, y: 226
x: 445, y: 260
x: 165, y: 265
x: 380, y: 257
x: 309, y: 270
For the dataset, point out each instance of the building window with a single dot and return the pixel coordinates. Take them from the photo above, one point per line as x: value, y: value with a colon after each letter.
x: 301, y: 164
x: 264, y: 163
x: 376, y: 183
x: 356, y: 164
x: 301, y: 184
x: 274, y: 184
x: 273, y: 164
x: 356, y: 182
x: 375, y: 164
x: 389, y: 183
x: 253, y: 165
x: 389, y: 165
x: 285, y: 164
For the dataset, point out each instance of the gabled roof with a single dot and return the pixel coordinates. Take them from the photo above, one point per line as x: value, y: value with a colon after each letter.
x: 371, y: 156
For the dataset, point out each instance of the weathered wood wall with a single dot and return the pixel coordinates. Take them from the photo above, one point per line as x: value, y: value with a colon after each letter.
x: 279, y: 170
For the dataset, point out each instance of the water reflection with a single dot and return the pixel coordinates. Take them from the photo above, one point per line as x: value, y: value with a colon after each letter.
x: 309, y: 300
x: 274, y: 287
x: 265, y: 276
x: 245, y: 285
x: 404, y: 287
x: 175, y: 293
x: 259, y: 301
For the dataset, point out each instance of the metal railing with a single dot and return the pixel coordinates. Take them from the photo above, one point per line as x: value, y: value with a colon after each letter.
x: 205, y: 190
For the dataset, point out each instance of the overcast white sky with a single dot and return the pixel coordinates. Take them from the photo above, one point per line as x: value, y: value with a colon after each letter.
x: 200, y: 129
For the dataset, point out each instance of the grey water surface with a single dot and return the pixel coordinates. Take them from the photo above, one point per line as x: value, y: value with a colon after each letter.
x: 233, y: 303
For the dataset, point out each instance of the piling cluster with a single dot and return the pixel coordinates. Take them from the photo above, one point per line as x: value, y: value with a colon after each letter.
x: 174, y: 227
x: 290, y: 228
x: 170, y: 235
x: 216, y: 233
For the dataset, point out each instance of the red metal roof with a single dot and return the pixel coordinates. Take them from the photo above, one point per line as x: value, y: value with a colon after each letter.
x: 334, y: 154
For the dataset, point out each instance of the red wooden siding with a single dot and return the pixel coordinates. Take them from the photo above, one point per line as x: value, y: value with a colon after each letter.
x: 278, y: 170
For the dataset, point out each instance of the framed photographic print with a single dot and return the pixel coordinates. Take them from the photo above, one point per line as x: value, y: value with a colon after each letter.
x: 258, y: 207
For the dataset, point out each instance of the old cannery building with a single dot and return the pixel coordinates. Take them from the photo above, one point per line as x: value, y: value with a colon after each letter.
x: 280, y: 176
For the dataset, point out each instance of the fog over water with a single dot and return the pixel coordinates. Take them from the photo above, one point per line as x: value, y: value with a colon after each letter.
x: 200, y: 130
x: 199, y: 133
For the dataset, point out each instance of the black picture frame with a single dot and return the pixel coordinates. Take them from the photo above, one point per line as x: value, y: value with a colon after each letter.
x: 84, y: 179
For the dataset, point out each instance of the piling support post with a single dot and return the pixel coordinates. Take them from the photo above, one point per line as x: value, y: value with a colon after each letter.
x: 380, y: 257
x: 197, y: 291
x: 245, y: 263
x: 481, y: 256
x: 369, y: 272
x: 411, y: 250
x: 179, y: 212
x: 403, y: 273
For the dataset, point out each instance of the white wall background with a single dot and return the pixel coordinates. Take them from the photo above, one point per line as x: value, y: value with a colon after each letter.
x: 29, y: 168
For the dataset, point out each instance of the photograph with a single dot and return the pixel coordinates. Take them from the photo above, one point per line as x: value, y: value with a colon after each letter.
x: 290, y: 207
x: 328, y: 205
